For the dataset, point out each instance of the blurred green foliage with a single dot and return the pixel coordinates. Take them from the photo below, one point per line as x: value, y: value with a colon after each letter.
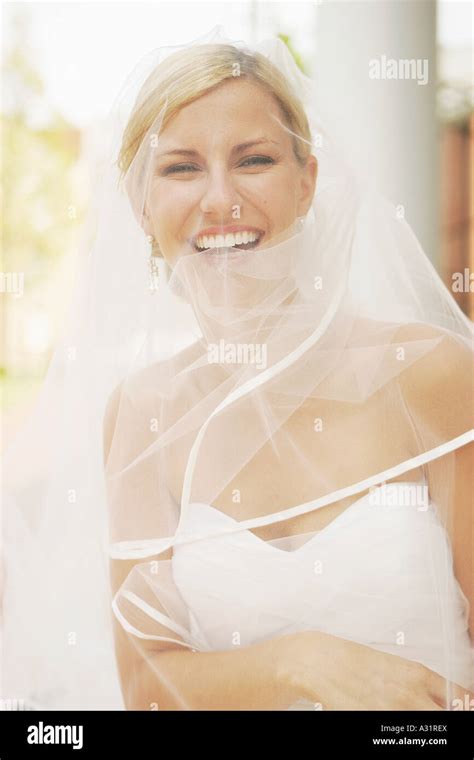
x: 42, y: 207
x: 39, y: 208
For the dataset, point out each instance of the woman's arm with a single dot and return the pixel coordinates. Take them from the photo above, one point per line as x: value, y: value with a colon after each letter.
x: 330, y: 672
x: 246, y: 678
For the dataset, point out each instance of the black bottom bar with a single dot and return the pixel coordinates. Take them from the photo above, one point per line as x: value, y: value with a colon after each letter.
x: 64, y: 734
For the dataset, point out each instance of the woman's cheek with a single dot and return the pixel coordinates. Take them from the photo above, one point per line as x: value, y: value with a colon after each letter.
x: 169, y: 209
x: 182, y: 196
x: 275, y: 201
x: 272, y: 188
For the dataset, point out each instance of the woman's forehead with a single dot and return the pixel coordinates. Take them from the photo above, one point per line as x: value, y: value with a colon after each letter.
x: 235, y: 112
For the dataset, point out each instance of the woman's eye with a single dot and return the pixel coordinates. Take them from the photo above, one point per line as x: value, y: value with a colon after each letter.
x: 191, y: 168
x: 180, y: 168
x: 257, y: 161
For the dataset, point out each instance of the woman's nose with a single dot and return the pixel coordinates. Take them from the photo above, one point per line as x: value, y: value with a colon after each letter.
x: 220, y: 195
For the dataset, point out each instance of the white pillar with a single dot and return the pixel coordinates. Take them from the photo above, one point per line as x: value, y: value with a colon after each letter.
x: 386, y: 126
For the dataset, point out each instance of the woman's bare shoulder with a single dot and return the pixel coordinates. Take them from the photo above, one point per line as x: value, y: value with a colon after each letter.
x: 439, y: 385
x: 440, y: 371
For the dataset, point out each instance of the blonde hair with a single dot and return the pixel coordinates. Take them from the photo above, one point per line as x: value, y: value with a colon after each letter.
x: 185, y: 76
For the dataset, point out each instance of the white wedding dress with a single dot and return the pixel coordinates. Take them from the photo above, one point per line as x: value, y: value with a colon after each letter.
x: 370, y: 576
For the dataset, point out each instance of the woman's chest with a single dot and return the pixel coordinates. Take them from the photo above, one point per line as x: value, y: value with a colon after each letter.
x: 249, y: 467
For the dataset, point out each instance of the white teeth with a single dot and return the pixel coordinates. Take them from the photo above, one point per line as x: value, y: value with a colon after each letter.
x: 229, y: 239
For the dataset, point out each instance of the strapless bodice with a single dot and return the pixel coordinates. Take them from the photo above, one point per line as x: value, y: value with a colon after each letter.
x: 375, y: 575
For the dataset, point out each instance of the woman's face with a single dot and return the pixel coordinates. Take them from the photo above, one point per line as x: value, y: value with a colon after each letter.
x: 226, y: 175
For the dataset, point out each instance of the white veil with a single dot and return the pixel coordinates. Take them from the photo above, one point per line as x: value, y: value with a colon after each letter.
x: 234, y: 395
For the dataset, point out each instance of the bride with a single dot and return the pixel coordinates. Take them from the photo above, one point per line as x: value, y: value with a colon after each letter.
x: 218, y: 155
x: 249, y: 472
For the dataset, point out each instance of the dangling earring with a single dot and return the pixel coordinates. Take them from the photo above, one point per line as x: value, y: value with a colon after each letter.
x: 153, y: 263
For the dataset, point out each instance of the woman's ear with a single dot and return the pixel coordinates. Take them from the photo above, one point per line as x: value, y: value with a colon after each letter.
x: 308, y: 185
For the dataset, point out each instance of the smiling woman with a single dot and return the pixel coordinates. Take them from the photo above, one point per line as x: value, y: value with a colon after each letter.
x: 257, y: 558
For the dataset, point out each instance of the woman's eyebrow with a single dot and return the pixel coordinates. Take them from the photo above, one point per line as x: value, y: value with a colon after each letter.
x: 236, y: 149
x: 179, y: 152
x: 250, y: 144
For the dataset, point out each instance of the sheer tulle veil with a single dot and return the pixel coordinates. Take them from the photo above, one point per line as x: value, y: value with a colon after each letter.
x: 176, y: 395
